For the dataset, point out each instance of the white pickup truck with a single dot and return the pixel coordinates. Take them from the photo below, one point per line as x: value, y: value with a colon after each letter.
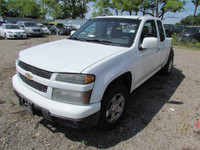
x: 86, y: 80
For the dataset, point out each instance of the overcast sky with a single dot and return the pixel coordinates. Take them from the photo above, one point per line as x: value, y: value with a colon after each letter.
x: 170, y: 18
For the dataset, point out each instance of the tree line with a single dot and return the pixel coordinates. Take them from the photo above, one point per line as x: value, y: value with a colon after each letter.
x: 157, y: 8
x: 57, y: 9
x: 76, y: 9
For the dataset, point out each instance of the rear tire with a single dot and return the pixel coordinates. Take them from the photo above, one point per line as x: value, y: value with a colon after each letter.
x: 167, y: 69
x: 113, y: 107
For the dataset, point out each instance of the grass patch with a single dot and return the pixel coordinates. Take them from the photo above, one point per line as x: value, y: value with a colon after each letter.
x: 1, y: 101
x: 83, y: 142
x: 194, y: 44
x: 3, y: 130
x: 11, y: 103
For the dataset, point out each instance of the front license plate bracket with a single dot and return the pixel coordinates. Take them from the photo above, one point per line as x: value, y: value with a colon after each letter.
x: 26, y: 104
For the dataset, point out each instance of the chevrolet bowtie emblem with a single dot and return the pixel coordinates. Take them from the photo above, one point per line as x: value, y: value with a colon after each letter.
x: 29, y: 76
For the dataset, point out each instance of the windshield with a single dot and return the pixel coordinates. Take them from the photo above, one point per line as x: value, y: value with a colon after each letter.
x: 192, y: 30
x: 30, y: 24
x: 12, y: 26
x: 112, y: 31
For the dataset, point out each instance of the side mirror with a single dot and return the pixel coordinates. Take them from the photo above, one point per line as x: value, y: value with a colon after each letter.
x: 72, y: 32
x: 149, y: 43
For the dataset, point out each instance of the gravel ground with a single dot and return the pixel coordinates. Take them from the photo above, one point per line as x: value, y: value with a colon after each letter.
x: 162, y: 113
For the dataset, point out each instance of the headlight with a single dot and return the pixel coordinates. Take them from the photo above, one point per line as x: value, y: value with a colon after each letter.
x: 73, y: 97
x: 75, y: 78
x: 10, y: 32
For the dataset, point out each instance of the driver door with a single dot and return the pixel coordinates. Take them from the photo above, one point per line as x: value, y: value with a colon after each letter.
x: 151, y: 56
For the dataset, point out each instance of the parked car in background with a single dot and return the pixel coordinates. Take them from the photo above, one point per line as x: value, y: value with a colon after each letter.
x: 71, y: 28
x: 44, y: 28
x: 31, y: 28
x: 189, y: 34
x: 179, y: 28
x: 10, y: 31
x: 60, y: 30
x: 169, y: 28
x: 55, y: 23
x: 1, y: 22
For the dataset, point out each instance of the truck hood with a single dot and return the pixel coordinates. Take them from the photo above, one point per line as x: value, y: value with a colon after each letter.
x: 67, y: 55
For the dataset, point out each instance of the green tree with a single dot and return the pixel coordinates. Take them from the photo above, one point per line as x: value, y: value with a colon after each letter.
x: 3, y: 7
x: 24, y: 7
x: 101, y: 11
x: 131, y: 6
x: 49, y: 7
x: 159, y: 8
x: 196, y: 4
x: 156, y: 8
x: 44, y: 8
x: 83, y: 7
x: 170, y: 6
x: 103, y: 8
x: 190, y: 20
x: 147, y: 6
x: 70, y: 9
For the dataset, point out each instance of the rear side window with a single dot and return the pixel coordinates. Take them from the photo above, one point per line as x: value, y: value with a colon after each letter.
x: 161, y: 31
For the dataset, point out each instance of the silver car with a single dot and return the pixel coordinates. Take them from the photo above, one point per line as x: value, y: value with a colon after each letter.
x: 44, y: 28
x: 31, y: 28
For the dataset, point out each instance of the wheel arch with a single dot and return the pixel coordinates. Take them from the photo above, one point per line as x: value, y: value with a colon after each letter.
x: 124, y: 79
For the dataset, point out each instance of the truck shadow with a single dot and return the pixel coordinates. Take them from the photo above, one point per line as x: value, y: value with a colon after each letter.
x: 145, y: 102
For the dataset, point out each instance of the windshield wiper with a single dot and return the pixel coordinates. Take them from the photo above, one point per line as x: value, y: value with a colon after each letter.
x: 78, y: 39
x: 94, y: 40
x: 99, y: 41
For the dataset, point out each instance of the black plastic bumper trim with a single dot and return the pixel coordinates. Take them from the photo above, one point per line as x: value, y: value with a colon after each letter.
x: 82, y: 123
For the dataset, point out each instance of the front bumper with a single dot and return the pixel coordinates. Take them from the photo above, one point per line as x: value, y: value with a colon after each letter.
x: 35, y: 33
x: 16, y: 36
x: 46, y: 32
x: 76, y: 116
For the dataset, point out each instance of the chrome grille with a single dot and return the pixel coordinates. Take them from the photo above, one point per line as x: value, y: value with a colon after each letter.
x: 33, y: 84
x: 36, y: 30
x: 35, y: 71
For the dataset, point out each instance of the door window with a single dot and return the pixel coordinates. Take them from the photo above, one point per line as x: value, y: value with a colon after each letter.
x: 149, y: 30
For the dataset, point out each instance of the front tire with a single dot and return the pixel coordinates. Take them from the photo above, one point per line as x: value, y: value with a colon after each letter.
x: 113, y: 107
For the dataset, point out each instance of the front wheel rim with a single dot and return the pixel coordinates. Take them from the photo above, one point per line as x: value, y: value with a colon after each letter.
x: 115, y: 108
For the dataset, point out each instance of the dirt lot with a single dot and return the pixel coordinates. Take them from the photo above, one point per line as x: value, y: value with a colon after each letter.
x: 162, y: 113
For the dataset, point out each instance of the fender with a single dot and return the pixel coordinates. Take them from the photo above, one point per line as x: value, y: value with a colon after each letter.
x: 105, y: 74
